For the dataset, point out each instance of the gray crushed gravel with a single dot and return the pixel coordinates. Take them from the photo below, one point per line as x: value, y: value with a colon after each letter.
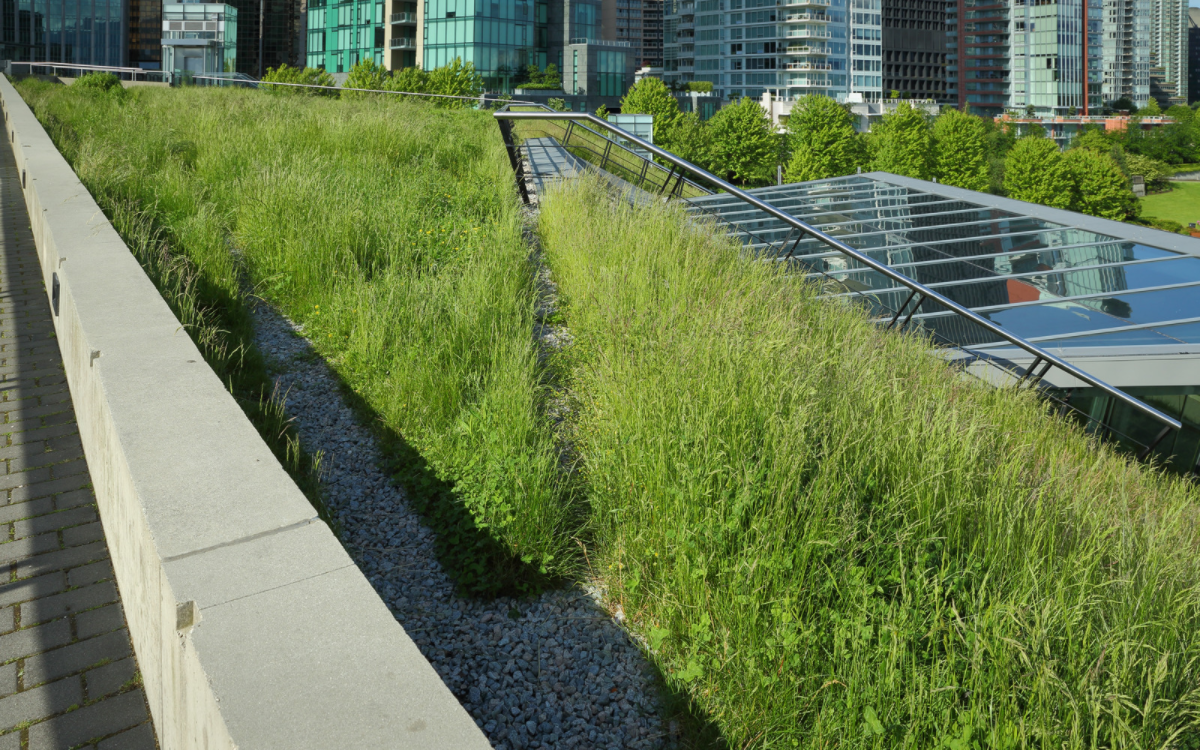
x: 563, y: 674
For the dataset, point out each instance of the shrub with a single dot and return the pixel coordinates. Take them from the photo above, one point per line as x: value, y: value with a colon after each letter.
x: 456, y: 78
x: 105, y: 82
x: 301, y: 76
x: 412, y: 80
x: 703, y: 87
x: 365, y: 75
x: 1155, y: 173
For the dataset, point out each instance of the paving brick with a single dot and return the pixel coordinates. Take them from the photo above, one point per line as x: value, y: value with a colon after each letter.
x: 40, y: 702
x: 60, y: 520
x: 102, y: 620
x: 76, y: 657
x: 140, y: 737
x: 28, y: 492
x: 8, y: 619
x: 61, y: 559
x: 32, y: 588
x: 8, y: 679
x: 16, y: 410
x: 28, y: 641
x: 28, y: 547
x: 45, y: 458
x: 91, y: 573
x: 109, y: 678
x: 25, y: 478
x: 65, y: 443
x: 77, y: 535
x: 37, y: 446
x: 110, y: 715
x: 21, y: 437
x: 27, y: 509
x: 70, y: 468
x: 77, y: 600
x: 74, y: 498
x: 10, y: 741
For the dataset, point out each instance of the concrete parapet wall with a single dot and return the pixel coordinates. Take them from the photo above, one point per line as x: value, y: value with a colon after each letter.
x: 252, y: 626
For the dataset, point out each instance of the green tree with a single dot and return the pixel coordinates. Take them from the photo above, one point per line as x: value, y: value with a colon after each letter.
x: 692, y: 138
x: 903, y: 143
x: 302, y: 76
x: 365, y: 75
x: 602, y: 112
x: 456, y: 78
x: 743, y: 144
x: 412, y: 80
x: 1034, y: 172
x: 1181, y: 113
x: 960, y: 150
x: 651, y: 96
x: 1093, y: 139
x: 557, y: 104
x: 1151, y: 109
x: 823, y: 140
x: 1098, y: 186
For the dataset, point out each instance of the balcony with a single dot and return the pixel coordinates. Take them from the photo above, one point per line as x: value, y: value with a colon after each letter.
x: 806, y: 50
x: 805, y: 3
x: 809, y: 65
x: 807, y: 33
x: 406, y: 18
x: 403, y: 42
x: 806, y: 18
x: 808, y: 82
x: 687, y: 25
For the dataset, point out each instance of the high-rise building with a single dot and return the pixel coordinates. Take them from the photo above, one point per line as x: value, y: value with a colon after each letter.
x: 977, y: 63
x: 914, y: 48
x: 269, y: 35
x: 652, y: 33
x: 1193, y: 90
x: 1127, y: 51
x: 340, y: 34
x: 747, y: 47
x: 1169, y: 51
x: 87, y: 33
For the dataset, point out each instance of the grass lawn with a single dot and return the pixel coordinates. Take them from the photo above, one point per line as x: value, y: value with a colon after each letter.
x: 1182, y: 204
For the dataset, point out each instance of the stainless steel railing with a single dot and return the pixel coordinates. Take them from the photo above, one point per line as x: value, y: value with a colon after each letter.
x: 919, y: 293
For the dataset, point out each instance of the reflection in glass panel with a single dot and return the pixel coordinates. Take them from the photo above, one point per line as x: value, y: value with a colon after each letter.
x: 1180, y: 333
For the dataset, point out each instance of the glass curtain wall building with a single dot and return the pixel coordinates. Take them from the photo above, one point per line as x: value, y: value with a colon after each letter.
x: 1119, y: 301
x: 1169, y: 49
x: 798, y: 47
x: 500, y: 38
x: 340, y: 34
x: 86, y: 32
x: 1127, y: 51
x: 1057, y: 63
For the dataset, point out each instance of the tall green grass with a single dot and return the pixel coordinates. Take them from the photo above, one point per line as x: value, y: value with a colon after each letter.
x: 829, y: 538
x: 390, y: 230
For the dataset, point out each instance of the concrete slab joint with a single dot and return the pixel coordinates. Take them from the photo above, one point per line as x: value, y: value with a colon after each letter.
x: 251, y: 625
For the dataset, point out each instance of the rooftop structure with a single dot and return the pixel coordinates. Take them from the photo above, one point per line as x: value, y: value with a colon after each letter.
x: 1118, y: 301
x: 867, y: 112
x: 1063, y: 129
x: 199, y: 38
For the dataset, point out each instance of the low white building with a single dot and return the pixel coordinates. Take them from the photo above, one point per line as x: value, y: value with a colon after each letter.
x: 867, y: 112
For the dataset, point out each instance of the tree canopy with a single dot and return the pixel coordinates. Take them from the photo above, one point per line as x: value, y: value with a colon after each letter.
x: 456, y: 78
x: 960, y: 157
x: 1034, y: 172
x: 903, y: 144
x: 823, y: 140
x: 650, y: 96
x: 1098, y: 186
x: 743, y: 144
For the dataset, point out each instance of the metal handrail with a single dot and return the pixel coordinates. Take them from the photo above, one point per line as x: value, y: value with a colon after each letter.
x: 1040, y: 355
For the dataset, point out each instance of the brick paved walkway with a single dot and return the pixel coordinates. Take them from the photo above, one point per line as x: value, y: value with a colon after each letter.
x: 67, y: 674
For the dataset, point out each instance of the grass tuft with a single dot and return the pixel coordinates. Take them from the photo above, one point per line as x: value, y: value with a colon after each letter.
x: 828, y: 537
